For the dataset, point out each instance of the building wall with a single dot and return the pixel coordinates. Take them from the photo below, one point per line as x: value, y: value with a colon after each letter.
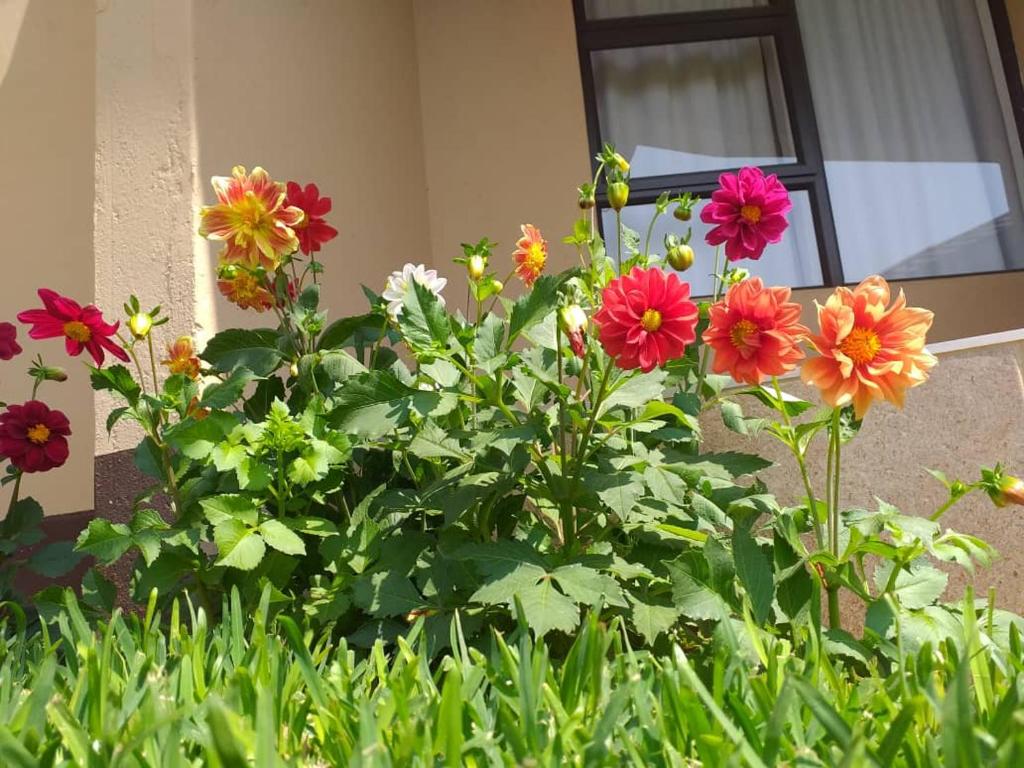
x: 47, y: 142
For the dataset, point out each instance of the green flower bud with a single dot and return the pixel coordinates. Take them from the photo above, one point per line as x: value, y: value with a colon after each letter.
x: 681, y: 257
x: 140, y: 324
x: 618, y: 195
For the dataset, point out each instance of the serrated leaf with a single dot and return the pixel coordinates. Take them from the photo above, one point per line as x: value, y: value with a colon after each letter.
x: 695, y: 599
x: 116, y: 378
x: 423, y: 321
x: 256, y: 350
x: 54, y: 560
x: 105, y: 540
x: 754, y: 572
x: 343, y: 332
x: 635, y: 392
x: 230, y: 506
x: 226, y: 393
x: 916, y: 588
x: 239, y: 545
x: 548, y: 609
x: 652, y: 619
x: 533, y: 306
x: 433, y: 442
x: 374, y: 404
x: 315, y: 462
x: 281, y: 537
x: 588, y: 586
x: 501, y: 590
x: 386, y: 594
x: 488, y: 341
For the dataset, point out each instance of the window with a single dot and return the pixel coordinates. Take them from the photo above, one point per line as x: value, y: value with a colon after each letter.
x: 896, y: 125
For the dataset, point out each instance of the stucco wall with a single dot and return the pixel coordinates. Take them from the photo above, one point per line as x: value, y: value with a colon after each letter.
x: 503, y: 125
x: 46, y: 152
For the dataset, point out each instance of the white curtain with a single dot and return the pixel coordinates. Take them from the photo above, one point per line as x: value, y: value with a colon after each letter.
x: 921, y: 153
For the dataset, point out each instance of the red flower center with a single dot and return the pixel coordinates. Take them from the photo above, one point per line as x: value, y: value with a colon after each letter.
x: 78, y: 331
x: 751, y: 213
x: 861, y: 345
x: 651, y: 321
x: 741, y: 332
x: 38, y: 434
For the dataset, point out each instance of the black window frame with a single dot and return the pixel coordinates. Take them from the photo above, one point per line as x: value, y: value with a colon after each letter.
x: 776, y: 19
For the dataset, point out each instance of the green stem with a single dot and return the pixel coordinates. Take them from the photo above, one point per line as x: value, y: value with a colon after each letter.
x: 952, y: 501
x: 834, y: 620
x: 152, y: 363
x: 801, y: 463
x: 378, y: 342
x: 835, y: 482
x: 14, y: 494
x: 705, y: 353
x: 618, y: 231
x: 650, y: 231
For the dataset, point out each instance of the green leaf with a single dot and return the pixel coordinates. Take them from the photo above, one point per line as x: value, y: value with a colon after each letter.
x: 695, y: 599
x: 588, y: 586
x: 921, y: 586
x: 281, y: 537
x: 754, y: 572
x: 533, y: 306
x: 374, y: 404
x: 619, y: 491
x: 257, y: 350
x: 423, y: 322
x: 105, y: 540
x: 433, y: 442
x: 794, y: 405
x: 651, y: 619
x: 230, y: 506
x: 548, y: 609
x: 386, y: 594
x: 724, y: 466
x: 226, y: 393
x: 116, y: 378
x: 309, y: 299
x: 342, y: 332
x: 487, y: 345
x: 54, y: 559
x: 196, y: 439
x: 635, y: 392
x: 238, y: 544
x: 732, y: 417
x: 315, y: 462
x: 502, y: 589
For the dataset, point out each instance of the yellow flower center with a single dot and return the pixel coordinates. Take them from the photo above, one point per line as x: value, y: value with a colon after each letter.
x: 751, y: 213
x: 651, y: 321
x: 38, y: 434
x: 252, y: 215
x: 861, y: 345
x: 741, y: 333
x: 78, y: 331
x: 535, y: 257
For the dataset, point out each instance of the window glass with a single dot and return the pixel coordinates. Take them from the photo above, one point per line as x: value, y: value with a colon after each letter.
x: 922, y: 155
x: 793, y: 261
x: 610, y: 9
x: 673, y: 109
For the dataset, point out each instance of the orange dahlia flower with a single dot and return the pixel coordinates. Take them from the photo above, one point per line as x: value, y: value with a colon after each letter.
x: 181, y: 357
x: 869, y: 349
x: 244, y: 289
x: 251, y: 217
x: 531, y: 254
x: 755, y: 332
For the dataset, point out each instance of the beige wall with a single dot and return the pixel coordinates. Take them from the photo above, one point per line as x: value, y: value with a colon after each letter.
x: 503, y: 125
x: 328, y: 93
x: 46, y: 152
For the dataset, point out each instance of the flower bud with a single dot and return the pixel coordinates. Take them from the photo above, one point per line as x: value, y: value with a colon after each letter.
x: 140, y: 324
x: 293, y: 370
x: 54, y: 374
x: 618, y: 195
x: 620, y: 162
x: 586, y: 200
x: 682, y: 212
x: 737, y: 275
x: 572, y: 318
x: 476, y: 265
x: 1010, y: 490
x: 497, y: 287
x: 681, y: 257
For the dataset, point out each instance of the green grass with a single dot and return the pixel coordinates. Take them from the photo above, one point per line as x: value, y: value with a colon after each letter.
x: 175, y: 691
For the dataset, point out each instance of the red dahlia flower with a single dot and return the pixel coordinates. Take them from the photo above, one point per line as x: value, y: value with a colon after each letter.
x: 34, y: 438
x: 312, y: 231
x: 749, y: 210
x: 755, y: 332
x: 9, y: 346
x: 646, y: 319
x: 81, y: 327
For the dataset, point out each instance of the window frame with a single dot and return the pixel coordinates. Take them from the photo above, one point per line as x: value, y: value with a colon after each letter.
x: 777, y: 19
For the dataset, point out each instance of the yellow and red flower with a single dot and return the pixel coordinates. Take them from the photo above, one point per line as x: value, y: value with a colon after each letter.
x: 755, y: 332
x: 181, y: 357
x: 531, y: 254
x: 252, y: 218
x: 244, y: 289
x: 868, y: 349
x: 33, y: 437
x: 83, y: 328
x: 312, y: 231
x: 646, y: 318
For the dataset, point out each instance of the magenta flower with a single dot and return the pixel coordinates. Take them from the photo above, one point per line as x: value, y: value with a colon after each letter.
x: 82, y: 328
x: 9, y: 346
x: 749, y: 212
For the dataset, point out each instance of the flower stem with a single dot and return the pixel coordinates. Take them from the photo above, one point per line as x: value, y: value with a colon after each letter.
x: 801, y: 463
x: 152, y: 363
x: 705, y: 353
